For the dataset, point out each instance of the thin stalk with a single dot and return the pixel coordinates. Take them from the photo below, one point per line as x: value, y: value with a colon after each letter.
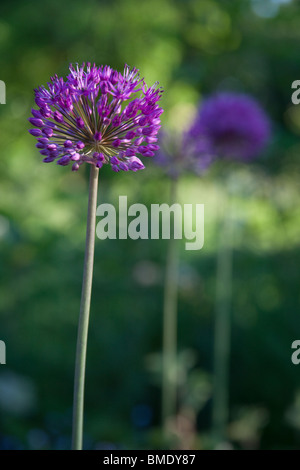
x: 222, y: 334
x: 169, y: 356
x: 80, y: 363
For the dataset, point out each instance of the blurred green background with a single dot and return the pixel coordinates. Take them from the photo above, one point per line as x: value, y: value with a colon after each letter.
x: 192, y: 48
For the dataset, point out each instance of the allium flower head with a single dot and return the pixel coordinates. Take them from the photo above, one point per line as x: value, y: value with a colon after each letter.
x: 178, y: 154
x: 233, y: 125
x: 98, y: 116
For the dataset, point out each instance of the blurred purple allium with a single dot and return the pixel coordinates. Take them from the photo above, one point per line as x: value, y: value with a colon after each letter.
x: 227, y: 125
x: 233, y: 125
x: 178, y: 154
x: 98, y: 116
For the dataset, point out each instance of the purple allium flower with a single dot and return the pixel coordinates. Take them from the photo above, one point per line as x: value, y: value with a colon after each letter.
x: 98, y: 116
x: 178, y: 154
x: 233, y: 125
x: 227, y: 125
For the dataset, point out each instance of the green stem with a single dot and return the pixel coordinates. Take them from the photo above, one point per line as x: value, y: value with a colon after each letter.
x: 83, y: 324
x: 223, y: 329
x: 169, y: 379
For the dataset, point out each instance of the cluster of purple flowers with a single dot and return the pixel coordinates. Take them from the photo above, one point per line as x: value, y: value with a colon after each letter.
x: 233, y: 126
x: 226, y: 126
x: 98, y: 115
x: 179, y: 153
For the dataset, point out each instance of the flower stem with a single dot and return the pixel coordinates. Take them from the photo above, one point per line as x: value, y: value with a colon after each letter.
x: 169, y: 357
x: 80, y: 363
x: 223, y: 328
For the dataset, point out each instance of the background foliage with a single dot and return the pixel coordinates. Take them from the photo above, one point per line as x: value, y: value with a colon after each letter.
x: 192, y: 48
